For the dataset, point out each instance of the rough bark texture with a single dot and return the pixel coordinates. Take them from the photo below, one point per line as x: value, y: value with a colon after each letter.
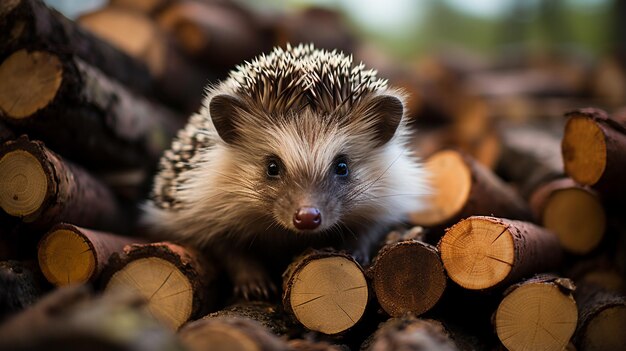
x: 34, y: 26
x: 94, y: 120
x: 230, y: 333
x: 101, y: 245
x: 407, y: 276
x: 611, y: 182
x: 410, y: 333
x: 268, y: 315
x: 327, y: 295
x: 510, y: 249
x: 71, y: 319
x: 593, y: 302
x: 20, y: 287
x: 200, y: 273
x: 72, y: 194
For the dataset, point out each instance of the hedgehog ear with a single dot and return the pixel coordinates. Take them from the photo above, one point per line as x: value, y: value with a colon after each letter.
x: 225, y: 110
x: 384, y: 113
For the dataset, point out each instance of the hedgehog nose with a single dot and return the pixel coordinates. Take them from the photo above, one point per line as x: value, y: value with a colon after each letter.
x: 307, y: 218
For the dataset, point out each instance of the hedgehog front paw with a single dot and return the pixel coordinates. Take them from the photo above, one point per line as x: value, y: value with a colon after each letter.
x: 253, y: 284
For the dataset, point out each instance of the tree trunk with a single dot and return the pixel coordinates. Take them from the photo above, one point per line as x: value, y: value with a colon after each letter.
x: 326, y: 291
x: 81, y: 113
x: 484, y: 252
x: 45, y: 190
x: 69, y: 254
x: 177, y: 282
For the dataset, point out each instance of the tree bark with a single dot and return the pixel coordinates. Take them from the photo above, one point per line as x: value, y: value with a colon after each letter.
x: 45, y: 189
x: 484, y: 252
x: 177, y: 282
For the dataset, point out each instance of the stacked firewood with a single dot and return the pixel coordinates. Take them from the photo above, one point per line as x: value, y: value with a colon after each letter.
x: 523, y: 246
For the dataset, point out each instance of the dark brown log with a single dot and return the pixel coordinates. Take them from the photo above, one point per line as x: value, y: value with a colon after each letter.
x: 219, y: 34
x: 593, y: 151
x: 538, y: 313
x: 599, y: 271
x: 484, y: 252
x: 323, y: 27
x: 177, y: 282
x: 20, y: 287
x: 410, y: 333
x: 265, y: 313
x: 530, y: 157
x: 462, y: 188
x: 229, y: 333
x: 407, y: 276
x: 150, y: 7
x: 309, y: 345
x: 325, y: 290
x: 30, y: 24
x: 139, y: 36
x: 44, y: 189
x: 69, y: 254
x: 601, y: 319
x: 81, y: 113
x: 573, y: 212
x: 71, y: 319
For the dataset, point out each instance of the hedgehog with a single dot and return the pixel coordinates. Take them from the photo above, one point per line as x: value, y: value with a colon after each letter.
x: 297, y: 148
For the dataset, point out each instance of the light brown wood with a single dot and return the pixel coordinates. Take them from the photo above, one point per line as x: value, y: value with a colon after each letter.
x: 538, y: 314
x: 177, y: 282
x: 462, y: 187
x: 229, y: 333
x: 131, y: 32
x: 574, y: 213
x: 483, y: 252
x: 69, y: 254
x: 451, y: 181
x: 584, y: 141
x: 28, y: 82
x: 23, y: 183
x: 593, y: 151
x: 327, y: 292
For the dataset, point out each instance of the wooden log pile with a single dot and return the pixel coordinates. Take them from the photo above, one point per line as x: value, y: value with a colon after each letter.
x: 522, y: 246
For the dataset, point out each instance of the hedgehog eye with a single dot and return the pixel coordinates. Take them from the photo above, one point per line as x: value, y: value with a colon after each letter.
x: 341, y: 168
x: 273, y: 168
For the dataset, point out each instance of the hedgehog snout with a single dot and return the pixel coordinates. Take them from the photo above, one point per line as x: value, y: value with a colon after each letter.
x: 307, y: 218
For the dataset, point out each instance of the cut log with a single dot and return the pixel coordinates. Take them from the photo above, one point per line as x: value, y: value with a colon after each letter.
x: 594, y: 151
x: 602, y: 319
x: 176, y: 281
x: 30, y: 24
x: 462, y: 188
x: 407, y: 276
x: 484, y: 252
x: 410, y: 333
x: 539, y: 313
x: 310, y: 345
x: 69, y: 254
x: 19, y: 287
x: 220, y: 35
x: 573, y: 212
x: 265, y: 313
x: 326, y: 291
x: 43, y: 189
x: 137, y: 35
x: 71, y: 319
x: 150, y: 7
x: 229, y: 333
x: 530, y: 157
x: 57, y: 99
